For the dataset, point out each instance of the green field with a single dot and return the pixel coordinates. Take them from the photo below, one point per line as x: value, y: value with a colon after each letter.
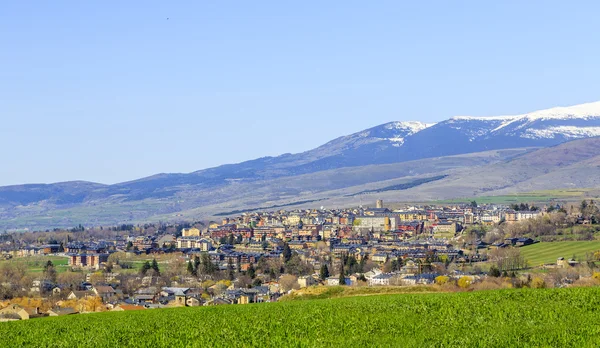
x: 504, y: 318
x: 546, y: 196
x: 548, y: 252
x: 35, y: 264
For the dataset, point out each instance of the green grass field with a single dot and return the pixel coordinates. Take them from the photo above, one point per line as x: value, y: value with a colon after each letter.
x: 548, y: 252
x: 35, y: 264
x: 525, y: 197
x: 504, y: 318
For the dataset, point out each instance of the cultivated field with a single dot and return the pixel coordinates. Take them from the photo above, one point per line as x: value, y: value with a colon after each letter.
x: 539, y: 197
x: 505, y: 318
x: 548, y: 252
x: 35, y: 264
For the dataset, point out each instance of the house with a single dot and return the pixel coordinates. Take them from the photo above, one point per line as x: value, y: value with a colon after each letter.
x: 381, y: 279
x: 524, y: 241
x: 190, y: 232
x: 379, y: 257
x: 62, y: 311
x: 105, y: 292
x: 562, y: 263
x: 13, y: 312
x: 50, y: 248
x: 193, y: 301
x: 334, y: 281
x: 306, y: 281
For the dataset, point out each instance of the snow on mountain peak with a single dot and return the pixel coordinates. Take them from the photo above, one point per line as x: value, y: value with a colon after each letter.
x: 414, y: 126
x: 404, y: 129
x: 584, y: 111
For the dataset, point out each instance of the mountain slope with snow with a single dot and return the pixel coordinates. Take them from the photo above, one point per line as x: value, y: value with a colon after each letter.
x: 401, y: 143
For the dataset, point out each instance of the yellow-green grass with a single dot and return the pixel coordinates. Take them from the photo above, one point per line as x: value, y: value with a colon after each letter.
x: 498, y: 318
x: 547, y: 252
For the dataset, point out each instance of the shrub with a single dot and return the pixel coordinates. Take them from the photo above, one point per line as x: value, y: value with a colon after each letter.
x: 464, y: 282
x: 538, y: 283
x: 441, y: 280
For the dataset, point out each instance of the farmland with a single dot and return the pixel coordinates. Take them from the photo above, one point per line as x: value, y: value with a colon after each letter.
x: 542, y: 253
x: 35, y: 264
x: 538, y: 197
x: 526, y: 317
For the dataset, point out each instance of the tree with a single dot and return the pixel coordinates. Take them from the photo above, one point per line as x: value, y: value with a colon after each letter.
x: 129, y: 246
x: 324, y: 272
x: 351, y: 265
x: 145, y: 268
x: 190, y: 268
x: 287, y: 252
x: 207, y: 266
x: 155, y: 267
x: 251, y: 272
x: 50, y: 272
x: 394, y: 265
x: 342, y: 279
x: 288, y: 282
x: 473, y: 204
x: 494, y: 272
x: 296, y: 266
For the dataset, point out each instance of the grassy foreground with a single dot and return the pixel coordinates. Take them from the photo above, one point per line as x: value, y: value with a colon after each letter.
x: 548, y: 252
x: 518, y: 318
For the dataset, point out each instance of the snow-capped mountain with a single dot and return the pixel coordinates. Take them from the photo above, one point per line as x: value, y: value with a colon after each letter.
x: 464, y: 134
x: 395, y: 142
x: 392, y: 142
x: 579, y: 121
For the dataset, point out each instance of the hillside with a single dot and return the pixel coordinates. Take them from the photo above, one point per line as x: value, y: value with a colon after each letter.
x: 487, y: 318
x: 467, y: 156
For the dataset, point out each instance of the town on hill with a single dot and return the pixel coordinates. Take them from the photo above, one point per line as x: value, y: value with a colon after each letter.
x: 272, y: 255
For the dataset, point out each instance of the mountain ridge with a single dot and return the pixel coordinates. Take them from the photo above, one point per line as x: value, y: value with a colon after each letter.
x: 415, y: 143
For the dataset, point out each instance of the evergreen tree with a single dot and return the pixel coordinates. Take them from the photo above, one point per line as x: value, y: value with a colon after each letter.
x: 230, y: 269
x: 251, y: 272
x: 394, y: 265
x: 155, y: 267
x: 207, y: 265
x: 145, y: 268
x: 190, y: 268
x: 342, y: 279
x: 352, y: 265
x: 50, y: 272
x: 272, y: 274
x: 287, y: 252
x: 400, y: 262
x: 324, y: 272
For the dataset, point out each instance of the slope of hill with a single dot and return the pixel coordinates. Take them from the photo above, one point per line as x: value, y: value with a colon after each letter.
x: 394, y: 153
x: 497, y: 318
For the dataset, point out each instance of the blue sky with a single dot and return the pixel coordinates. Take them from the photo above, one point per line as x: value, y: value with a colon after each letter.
x: 113, y: 91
